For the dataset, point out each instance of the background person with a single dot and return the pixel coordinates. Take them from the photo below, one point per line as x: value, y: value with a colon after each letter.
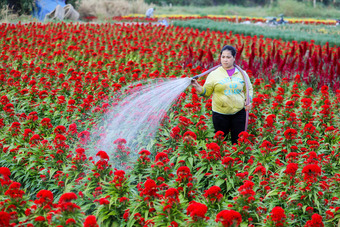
x: 227, y: 85
x: 149, y: 12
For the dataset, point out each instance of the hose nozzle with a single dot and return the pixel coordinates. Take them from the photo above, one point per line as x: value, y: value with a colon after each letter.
x: 195, y: 77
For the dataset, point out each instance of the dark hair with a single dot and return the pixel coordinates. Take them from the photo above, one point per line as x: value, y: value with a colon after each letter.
x: 230, y: 48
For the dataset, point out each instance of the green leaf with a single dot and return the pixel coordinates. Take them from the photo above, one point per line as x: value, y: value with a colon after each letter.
x: 304, y: 208
x: 219, y: 182
x: 273, y: 192
x: 191, y: 161
x: 244, y: 224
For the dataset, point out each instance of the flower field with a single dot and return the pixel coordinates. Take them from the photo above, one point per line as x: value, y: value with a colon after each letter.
x: 59, y: 80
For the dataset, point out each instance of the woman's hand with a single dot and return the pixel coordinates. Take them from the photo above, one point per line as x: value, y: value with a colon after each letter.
x: 248, y: 107
x: 196, y: 85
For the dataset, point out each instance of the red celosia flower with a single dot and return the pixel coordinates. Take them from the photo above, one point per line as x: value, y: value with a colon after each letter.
x: 5, y: 172
x: 103, y: 201
x: 144, y: 152
x: 70, y: 221
x: 84, y: 136
x: 103, y: 155
x: 183, y: 171
x: 4, y: 218
x: 8, y: 108
x: 291, y: 169
x: 244, y: 138
x: 60, y: 129
x: 308, y: 91
x: 219, y: 135
x: 123, y: 199
x: 175, y: 132
x: 247, y: 189
x: 33, y: 116
x: 162, y: 157
x: 14, y: 190
x: 72, y: 128
x: 91, y: 221
x: 45, y: 197
x: 229, y: 218
x: 213, y: 194
x: 290, y: 133
x: 261, y: 170
x: 4, y: 100
x: 119, y: 141
x: 173, y: 224
x: 67, y: 197
x: 315, y: 222
x: 228, y: 161
x: 171, y: 195
x: 119, y: 176
x: 277, y: 215
x: 150, y: 188
x: 311, y: 172
x: 189, y: 136
x: 197, y: 210
x: 213, y: 146
x: 307, y: 102
x: 39, y: 218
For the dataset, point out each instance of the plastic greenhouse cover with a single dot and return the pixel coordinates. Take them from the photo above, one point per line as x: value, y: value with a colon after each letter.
x: 43, y: 7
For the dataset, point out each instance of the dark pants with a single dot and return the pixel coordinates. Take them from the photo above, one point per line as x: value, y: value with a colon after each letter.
x: 234, y: 123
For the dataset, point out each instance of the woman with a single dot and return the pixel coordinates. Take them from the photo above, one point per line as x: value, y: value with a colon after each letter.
x: 226, y: 84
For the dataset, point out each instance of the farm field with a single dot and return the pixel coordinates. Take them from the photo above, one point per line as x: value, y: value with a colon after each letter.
x: 59, y: 80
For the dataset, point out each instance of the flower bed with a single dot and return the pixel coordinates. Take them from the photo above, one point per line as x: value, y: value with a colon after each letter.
x: 58, y: 80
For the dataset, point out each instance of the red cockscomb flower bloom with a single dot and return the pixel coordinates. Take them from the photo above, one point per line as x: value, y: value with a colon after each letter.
x: 144, y: 152
x: 119, y: 141
x: 91, y: 221
x: 291, y: 169
x: 5, y: 172
x: 311, y: 172
x: 197, y: 210
x: 278, y: 216
x: 189, y: 136
x: 229, y: 218
x: 4, y: 218
x: 247, y: 189
x: 228, y: 161
x: 45, y: 197
x: 162, y: 157
x: 315, y: 222
x: 67, y: 197
x: 103, y: 155
x: 213, y: 194
x: 290, y: 133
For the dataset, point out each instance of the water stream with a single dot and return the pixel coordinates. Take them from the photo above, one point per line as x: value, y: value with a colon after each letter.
x: 132, y: 123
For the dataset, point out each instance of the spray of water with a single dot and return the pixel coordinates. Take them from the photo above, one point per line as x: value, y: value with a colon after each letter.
x: 132, y: 123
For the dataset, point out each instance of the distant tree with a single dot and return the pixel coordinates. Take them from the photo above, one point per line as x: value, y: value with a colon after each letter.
x: 19, y: 6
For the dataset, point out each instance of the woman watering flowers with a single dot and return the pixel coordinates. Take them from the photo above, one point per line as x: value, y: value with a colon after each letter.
x: 227, y: 85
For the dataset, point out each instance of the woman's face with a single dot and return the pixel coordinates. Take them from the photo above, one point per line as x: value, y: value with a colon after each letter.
x: 227, y: 59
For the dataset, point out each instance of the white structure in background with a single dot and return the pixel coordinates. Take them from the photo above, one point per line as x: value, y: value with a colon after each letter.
x: 63, y: 13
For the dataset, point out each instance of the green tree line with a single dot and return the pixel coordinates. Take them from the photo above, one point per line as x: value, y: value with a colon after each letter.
x: 25, y: 6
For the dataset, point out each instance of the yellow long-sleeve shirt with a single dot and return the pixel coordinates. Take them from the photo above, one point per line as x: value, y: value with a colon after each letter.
x: 229, y: 93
